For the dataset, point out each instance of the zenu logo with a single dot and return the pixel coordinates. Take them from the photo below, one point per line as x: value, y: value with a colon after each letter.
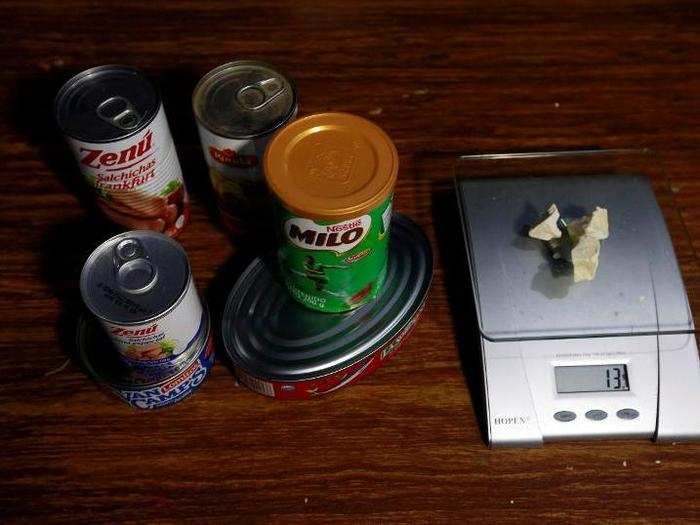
x: 511, y: 420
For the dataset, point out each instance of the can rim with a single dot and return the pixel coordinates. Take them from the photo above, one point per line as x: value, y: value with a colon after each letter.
x: 410, y: 311
x: 201, y: 120
x: 68, y: 85
x: 415, y: 316
x: 84, y: 323
x: 98, y: 250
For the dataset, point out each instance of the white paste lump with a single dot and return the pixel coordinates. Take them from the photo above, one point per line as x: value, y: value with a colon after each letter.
x: 580, y: 244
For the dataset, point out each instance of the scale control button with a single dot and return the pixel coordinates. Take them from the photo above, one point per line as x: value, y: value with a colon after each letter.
x: 627, y: 413
x: 596, y: 415
x: 564, y: 416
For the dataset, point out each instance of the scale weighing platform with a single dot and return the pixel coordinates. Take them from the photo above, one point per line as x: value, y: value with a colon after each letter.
x: 615, y: 357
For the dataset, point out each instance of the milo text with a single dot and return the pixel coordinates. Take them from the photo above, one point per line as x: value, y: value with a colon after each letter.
x: 339, y: 237
x: 335, y: 266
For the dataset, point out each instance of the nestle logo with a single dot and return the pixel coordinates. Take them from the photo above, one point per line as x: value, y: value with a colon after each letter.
x: 511, y: 420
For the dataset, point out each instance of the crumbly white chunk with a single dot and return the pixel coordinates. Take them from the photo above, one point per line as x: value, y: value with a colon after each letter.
x: 584, y: 257
x: 580, y: 245
x: 547, y: 229
x: 594, y: 225
x: 598, y: 225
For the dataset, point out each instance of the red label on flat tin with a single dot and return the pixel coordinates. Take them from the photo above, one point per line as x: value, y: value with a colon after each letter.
x: 325, y: 385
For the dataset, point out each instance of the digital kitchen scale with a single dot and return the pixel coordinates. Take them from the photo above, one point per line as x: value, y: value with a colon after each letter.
x: 614, y: 357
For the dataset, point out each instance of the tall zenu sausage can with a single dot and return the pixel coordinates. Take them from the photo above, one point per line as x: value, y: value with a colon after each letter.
x: 139, y: 286
x: 113, y: 120
x: 238, y: 106
x: 333, y: 175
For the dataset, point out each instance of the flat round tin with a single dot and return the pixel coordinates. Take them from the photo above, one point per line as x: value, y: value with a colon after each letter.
x: 144, y: 389
x: 244, y: 99
x: 106, y: 103
x: 271, y: 337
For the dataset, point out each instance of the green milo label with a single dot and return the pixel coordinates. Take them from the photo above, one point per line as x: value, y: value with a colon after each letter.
x: 335, y: 266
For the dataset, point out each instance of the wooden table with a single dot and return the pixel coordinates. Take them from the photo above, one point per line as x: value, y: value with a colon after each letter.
x: 403, y: 444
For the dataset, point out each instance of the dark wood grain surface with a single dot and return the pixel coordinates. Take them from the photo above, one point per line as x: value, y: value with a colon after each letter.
x: 404, y: 444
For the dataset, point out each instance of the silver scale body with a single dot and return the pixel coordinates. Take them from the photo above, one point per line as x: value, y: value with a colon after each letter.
x: 634, y: 313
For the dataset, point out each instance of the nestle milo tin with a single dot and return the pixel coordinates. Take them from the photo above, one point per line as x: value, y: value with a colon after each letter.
x: 136, y: 387
x: 283, y: 350
x: 238, y: 106
x: 140, y: 287
x: 333, y: 175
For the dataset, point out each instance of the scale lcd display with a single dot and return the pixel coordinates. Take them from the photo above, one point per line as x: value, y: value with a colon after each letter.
x: 591, y: 378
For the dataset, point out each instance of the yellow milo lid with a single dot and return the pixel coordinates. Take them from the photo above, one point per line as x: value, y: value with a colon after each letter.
x: 331, y: 166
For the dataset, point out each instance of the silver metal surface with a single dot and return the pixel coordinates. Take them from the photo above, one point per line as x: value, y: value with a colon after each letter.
x: 134, y: 277
x: 271, y: 335
x: 522, y: 399
x: 679, y: 389
x: 106, y: 103
x: 638, y: 289
x: 244, y: 99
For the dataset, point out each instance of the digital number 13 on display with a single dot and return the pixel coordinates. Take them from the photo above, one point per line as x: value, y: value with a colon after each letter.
x: 614, y: 378
x: 591, y: 378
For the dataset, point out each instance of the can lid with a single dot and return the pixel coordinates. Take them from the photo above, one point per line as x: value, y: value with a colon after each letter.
x: 134, y: 277
x: 270, y: 335
x: 331, y: 166
x: 106, y: 103
x: 243, y: 99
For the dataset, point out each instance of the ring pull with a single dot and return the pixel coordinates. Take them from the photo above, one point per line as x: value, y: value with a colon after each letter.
x: 135, y: 272
x: 255, y: 96
x: 119, y: 112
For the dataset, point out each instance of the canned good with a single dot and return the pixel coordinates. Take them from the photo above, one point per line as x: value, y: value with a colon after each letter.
x: 238, y: 106
x: 113, y: 120
x: 333, y: 175
x: 132, y: 386
x: 140, y: 287
x: 284, y: 350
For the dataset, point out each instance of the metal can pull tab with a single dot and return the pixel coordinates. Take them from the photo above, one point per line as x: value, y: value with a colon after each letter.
x: 119, y: 112
x: 135, y: 272
x: 254, y: 96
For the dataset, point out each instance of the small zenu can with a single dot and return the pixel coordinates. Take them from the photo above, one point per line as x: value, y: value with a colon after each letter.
x: 139, y: 388
x: 238, y: 106
x: 139, y: 286
x: 333, y: 176
x: 113, y: 120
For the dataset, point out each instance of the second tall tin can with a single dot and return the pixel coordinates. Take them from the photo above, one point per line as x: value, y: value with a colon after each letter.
x: 238, y: 106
